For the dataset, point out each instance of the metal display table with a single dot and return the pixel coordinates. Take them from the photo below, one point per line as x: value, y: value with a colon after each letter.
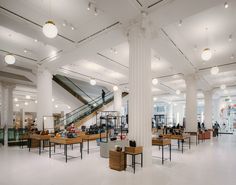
x: 161, y: 142
x: 65, y: 142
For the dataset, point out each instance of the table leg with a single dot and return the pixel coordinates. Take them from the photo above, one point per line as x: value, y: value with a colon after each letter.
x: 196, y: 139
x: 133, y: 156
x: 178, y: 144
x: 39, y: 147
x: 162, y: 156
x: 65, y: 148
x: 43, y: 144
x: 189, y: 142
x: 72, y: 147
x: 81, y: 150
x: 29, y: 144
x: 182, y: 145
x: 170, y: 151
x: 50, y: 149
x: 141, y: 159
x: 88, y: 146
x: 54, y: 148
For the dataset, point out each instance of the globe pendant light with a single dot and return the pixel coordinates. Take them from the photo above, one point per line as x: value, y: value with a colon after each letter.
x: 10, y: 59
x: 50, y: 30
x: 115, y: 88
x: 223, y: 86
x: 177, y: 92
x: 93, y: 82
x: 214, y: 70
x: 206, y: 54
x: 154, y: 81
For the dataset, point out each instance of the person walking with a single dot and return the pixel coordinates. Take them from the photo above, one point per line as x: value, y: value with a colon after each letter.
x: 103, y: 96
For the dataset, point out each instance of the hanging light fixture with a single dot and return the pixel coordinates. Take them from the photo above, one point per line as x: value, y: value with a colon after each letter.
x: 115, y: 88
x: 50, y: 30
x: 10, y: 59
x: 214, y: 70
x: 177, y: 92
x: 93, y: 81
x: 206, y: 54
x: 226, y: 5
x: 154, y: 81
x: 223, y: 86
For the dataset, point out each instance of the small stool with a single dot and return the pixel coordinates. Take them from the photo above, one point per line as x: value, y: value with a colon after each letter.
x: 133, y: 151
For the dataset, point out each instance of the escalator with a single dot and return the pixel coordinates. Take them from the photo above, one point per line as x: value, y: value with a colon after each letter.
x: 84, y: 111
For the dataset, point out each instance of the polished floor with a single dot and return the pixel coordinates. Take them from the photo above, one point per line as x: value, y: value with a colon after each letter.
x: 210, y: 163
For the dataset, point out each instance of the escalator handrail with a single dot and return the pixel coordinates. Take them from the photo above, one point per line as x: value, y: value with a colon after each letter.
x: 78, y: 87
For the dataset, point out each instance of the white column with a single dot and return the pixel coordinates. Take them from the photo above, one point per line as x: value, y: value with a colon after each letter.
x: 208, y: 109
x: 7, y: 109
x: 216, y: 107
x: 170, y: 113
x: 191, y: 103
x: 140, y: 91
x: 117, y: 101
x: 44, y: 96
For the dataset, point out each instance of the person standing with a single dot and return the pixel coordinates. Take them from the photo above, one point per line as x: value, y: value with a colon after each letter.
x: 103, y: 96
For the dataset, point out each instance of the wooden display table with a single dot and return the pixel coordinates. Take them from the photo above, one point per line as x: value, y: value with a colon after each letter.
x: 65, y: 142
x: 133, y: 151
x: 117, y: 160
x: 179, y: 138
x: 91, y: 138
x: 39, y: 138
x: 161, y: 142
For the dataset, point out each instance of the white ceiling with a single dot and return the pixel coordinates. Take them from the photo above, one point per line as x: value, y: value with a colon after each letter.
x: 98, y: 48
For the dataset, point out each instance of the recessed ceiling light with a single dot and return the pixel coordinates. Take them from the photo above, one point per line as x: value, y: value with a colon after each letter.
x: 56, y: 106
x: 27, y: 97
x: 26, y: 103
x: 93, y: 81
x: 154, y: 98
x: 50, y: 30
x: 214, y: 70
x: 35, y: 101
x: 35, y: 40
x: 232, y: 56
x: 154, y: 81
x: 223, y: 86
x: 72, y: 28
x: 226, y: 5
x: 68, y: 107
x: 175, y: 104
x: 17, y: 105
x: 154, y: 105
x: 15, y: 99
x: 25, y: 51
x: 10, y: 59
x: 116, y: 52
x: 53, y: 99
x: 230, y: 38
x: 206, y: 54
